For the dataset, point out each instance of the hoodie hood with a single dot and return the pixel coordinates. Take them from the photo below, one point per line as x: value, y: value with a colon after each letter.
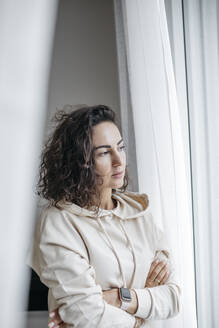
x: 130, y: 205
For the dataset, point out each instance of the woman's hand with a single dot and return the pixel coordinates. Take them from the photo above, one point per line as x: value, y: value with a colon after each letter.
x: 111, y: 296
x: 55, y: 321
x: 138, y: 322
x: 158, y: 273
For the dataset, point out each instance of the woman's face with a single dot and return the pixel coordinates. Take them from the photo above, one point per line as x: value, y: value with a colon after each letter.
x: 109, y: 155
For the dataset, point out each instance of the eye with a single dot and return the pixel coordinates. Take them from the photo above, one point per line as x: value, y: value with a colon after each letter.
x: 122, y: 147
x: 103, y: 153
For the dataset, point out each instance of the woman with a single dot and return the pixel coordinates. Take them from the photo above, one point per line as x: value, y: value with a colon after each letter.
x: 96, y: 243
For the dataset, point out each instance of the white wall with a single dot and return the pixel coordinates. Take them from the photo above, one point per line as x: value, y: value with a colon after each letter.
x: 84, y: 65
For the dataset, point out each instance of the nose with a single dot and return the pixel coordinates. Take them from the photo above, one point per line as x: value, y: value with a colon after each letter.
x: 117, y: 159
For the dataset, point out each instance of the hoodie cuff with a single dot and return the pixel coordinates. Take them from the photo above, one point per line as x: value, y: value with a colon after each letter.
x: 144, y: 303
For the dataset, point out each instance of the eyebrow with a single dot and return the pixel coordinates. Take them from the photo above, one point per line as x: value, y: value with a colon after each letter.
x: 107, y: 146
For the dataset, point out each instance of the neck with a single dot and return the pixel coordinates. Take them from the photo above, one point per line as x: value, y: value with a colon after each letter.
x: 106, y: 202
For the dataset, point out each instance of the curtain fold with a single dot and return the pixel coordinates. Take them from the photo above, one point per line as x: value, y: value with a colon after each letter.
x: 201, y: 19
x: 160, y: 154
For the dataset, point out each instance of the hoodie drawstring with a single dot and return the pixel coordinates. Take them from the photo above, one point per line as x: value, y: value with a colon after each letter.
x: 132, y: 249
x: 114, y: 251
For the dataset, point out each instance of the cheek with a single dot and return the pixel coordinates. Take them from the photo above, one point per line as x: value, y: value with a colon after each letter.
x: 102, y: 167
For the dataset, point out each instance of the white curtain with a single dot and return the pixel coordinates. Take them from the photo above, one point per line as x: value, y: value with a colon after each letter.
x: 143, y: 42
x: 202, y: 48
x: 26, y: 33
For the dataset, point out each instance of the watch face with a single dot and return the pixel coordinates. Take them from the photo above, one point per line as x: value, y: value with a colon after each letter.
x: 125, y: 294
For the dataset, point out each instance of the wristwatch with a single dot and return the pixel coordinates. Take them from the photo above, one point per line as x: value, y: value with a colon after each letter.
x: 125, y: 297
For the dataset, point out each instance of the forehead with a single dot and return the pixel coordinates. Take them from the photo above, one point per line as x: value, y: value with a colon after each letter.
x: 105, y: 133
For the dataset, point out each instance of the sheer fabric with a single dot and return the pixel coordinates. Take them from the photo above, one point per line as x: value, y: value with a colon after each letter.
x: 143, y: 43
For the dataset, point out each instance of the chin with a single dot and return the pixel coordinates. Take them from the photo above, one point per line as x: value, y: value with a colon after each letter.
x: 113, y: 183
x: 118, y: 185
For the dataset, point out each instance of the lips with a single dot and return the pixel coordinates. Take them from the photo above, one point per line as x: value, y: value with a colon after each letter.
x: 117, y: 174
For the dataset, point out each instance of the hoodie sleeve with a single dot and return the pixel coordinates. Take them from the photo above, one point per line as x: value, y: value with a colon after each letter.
x: 62, y: 263
x: 161, y: 302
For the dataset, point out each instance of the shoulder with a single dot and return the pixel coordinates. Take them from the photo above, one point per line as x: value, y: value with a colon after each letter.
x: 55, y: 229
x: 53, y: 224
x: 50, y: 215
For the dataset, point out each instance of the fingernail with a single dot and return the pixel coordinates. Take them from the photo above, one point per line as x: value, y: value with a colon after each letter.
x: 52, y: 314
x: 51, y: 324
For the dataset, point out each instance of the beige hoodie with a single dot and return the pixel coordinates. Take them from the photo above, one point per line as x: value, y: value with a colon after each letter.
x: 77, y: 254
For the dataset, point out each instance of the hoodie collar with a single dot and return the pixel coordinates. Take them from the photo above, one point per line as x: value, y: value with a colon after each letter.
x: 130, y: 205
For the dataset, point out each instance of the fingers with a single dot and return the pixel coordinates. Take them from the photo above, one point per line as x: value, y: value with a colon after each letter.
x: 155, y: 273
x: 55, y: 321
x: 62, y: 325
x: 158, y: 273
x: 165, y: 278
x: 56, y: 325
x: 159, y: 278
x: 153, y: 265
x: 54, y: 313
x: 138, y: 322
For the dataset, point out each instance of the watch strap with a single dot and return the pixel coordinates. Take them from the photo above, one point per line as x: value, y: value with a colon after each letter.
x: 124, y: 305
x: 125, y: 297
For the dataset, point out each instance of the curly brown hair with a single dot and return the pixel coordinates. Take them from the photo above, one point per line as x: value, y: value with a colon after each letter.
x: 67, y: 169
